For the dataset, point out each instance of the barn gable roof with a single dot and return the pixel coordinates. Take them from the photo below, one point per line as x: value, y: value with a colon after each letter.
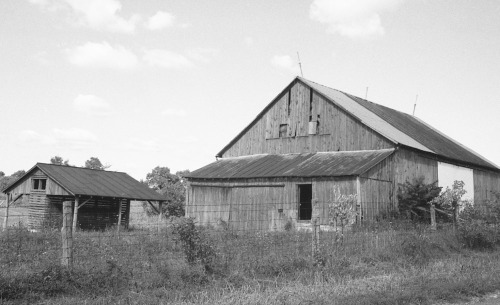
x: 321, y: 164
x: 80, y: 181
x: 398, y: 127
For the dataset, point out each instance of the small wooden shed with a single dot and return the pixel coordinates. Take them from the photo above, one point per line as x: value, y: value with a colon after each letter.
x: 100, y: 198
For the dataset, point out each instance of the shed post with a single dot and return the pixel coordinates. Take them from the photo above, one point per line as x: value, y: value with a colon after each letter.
x: 67, y: 236
x: 6, y: 216
x: 160, y: 215
x: 75, y: 214
x: 119, y: 216
x: 359, y: 212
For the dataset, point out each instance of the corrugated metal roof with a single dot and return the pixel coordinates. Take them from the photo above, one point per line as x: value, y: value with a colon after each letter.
x: 89, y: 182
x: 400, y: 127
x: 321, y: 164
x: 425, y: 134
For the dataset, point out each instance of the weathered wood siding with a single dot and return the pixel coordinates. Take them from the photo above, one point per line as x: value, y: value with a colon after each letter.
x: 259, y: 204
x: 377, y: 190
x: 337, y: 130
x: 409, y: 165
x: 485, y: 182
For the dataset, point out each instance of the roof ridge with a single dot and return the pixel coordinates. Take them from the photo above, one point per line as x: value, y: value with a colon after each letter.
x: 78, y: 167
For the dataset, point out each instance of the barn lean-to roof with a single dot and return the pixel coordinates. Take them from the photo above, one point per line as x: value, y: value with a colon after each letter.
x: 80, y: 181
x: 321, y: 164
x: 398, y: 127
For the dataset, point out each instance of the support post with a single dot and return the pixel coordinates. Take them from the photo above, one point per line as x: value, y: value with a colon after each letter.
x: 358, y: 201
x: 67, y: 236
x: 160, y: 215
x: 6, y: 216
x: 75, y: 214
x: 315, y: 222
x: 433, y: 218
x: 118, y: 225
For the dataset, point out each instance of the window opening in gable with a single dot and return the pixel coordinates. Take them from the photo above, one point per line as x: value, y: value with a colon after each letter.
x: 283, y: 130
x: 39, y: 184
x: 305, y: 201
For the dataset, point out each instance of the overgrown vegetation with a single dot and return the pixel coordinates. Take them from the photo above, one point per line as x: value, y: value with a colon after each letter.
x: 415, y: 197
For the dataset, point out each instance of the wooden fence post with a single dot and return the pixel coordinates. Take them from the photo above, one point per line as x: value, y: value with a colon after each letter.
x: 67, y: 235
x: 433, y: 218
x: 315, y: 226
x: 75, y: 214
x: 6, y: 216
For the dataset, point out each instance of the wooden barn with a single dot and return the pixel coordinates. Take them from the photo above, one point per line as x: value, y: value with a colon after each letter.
x: 311, y: 140
x: 100, y: 198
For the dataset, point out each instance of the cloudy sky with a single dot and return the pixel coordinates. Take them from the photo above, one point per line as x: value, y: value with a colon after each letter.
x: 157, y: 82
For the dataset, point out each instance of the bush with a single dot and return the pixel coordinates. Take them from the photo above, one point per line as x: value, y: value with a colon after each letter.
x: 478, y: 226
x: 196, y: 245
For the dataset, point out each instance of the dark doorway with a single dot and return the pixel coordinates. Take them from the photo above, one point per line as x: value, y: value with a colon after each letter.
x: 305, y: 198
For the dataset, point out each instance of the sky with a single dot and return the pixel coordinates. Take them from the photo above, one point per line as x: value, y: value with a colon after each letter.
x: 149, y: 83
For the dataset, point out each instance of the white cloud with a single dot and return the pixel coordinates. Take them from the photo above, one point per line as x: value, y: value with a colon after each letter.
x: 166, y: 59
x: 93, y: 54
x: 287, y: 63
x: 174, y: 112
x: 31, y: 136
x: 103, y: 14
x: 92, y: 105
x: 74, y: 137
x: 160, y: 20
x: 352, y: 18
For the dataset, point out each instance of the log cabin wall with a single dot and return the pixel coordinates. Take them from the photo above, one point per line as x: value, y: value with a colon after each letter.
x: 259, y: 204
x: 300, y: 121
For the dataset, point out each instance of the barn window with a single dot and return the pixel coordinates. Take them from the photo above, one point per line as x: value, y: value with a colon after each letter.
x: 283, y: 130
x: 39, y: 184
x: 305, y: 201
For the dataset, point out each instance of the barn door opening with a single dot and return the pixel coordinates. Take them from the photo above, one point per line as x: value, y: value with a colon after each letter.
x: 305, y: 199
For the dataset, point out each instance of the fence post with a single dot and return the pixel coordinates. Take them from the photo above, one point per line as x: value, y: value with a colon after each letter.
x: 67, y: 236
x: 118, y: 225
x: 6, y: 216
x: 433, y: 218
x: 315, y: 227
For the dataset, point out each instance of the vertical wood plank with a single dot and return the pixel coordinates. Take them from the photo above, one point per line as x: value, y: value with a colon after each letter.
x: 119, y: 223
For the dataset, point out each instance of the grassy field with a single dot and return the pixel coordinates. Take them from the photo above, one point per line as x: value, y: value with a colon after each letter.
x: 371, y: 265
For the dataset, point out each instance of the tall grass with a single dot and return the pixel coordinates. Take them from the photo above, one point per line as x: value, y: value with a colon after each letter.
x: 379, y: 264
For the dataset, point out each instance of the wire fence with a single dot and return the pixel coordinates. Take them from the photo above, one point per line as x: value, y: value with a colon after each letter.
x: 249, y: 239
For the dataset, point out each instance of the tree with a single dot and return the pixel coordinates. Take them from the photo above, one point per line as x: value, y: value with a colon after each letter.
x: 95, y: 163
x: 59, y: 161
x: 172, y: 186
x: 7, y: 180
x: 415, y: 198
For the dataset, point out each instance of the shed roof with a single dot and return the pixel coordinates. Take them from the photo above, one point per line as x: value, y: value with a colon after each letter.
x: 321, y: 164
x: 398, y: 127
x: 80, y: 181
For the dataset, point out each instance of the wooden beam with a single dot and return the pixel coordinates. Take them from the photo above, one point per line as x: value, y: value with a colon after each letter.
x: 67, y: 236
x: 154, y: 208
x: 85, y: 202
x: 359, y: 209
x: 75, y: 214
x: 6, y: 216
x: 119, y: 216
